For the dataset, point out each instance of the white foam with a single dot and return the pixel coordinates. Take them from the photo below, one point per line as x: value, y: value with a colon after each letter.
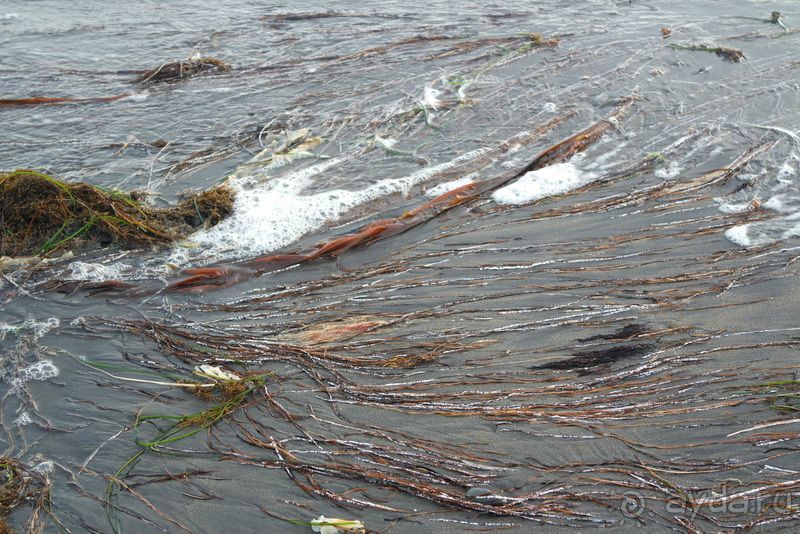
x: 738, y: 235
x: 730, y: 207
x: 785, y: 226
x: 39, y: 371
x: 549, y: 181
x: 782, y: 204
x: 670, y: 171
x: 272, y: 214
x: 39, y: 328
x: 763, y: 233
x: 80, y: 270
x: 446, y: 187
x: 430, y: 97
x: 23, y: 419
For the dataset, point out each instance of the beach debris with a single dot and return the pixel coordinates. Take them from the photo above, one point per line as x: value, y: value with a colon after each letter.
x: 281, y: 149
x: 486, y: 496
x: 520, y: 43
x: 294, y: 17
x: 216, y: 373
x: 540, y: 41
x: 215, y: 277
x: 583, y: 361
x: 41, y: 214
x: 185, y: 68
x: 338, y: 330
x: 49, y: 101
x: 332, y: 525
x: 21, y: 485
x: 9, y: 264
x: 729, y: 54
x: 390, y: 146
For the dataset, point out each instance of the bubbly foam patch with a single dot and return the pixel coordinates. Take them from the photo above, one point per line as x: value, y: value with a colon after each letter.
x: 446, y: 187
x: 758, y: 233
x: 670, y: 171
x: 23, y: 419
x: 37, y: 328
x: 96, y: 271
x: 542, y: 183
x: 269, y: 215
x: 39, y: 371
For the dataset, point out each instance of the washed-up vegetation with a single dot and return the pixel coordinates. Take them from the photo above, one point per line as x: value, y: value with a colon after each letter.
x: 21, y: 487
x: 596, y: 356
x: 180, y: 70
x: 41, y: 214
x: 729, y: 54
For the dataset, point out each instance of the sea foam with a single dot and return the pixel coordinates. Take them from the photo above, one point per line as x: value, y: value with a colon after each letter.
x: 542, y: 183
x: 268, y: 215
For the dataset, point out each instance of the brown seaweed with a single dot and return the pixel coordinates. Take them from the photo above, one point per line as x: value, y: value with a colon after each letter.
x: 180, y: 70
x: 50, y: 101
x: 382, y: 229
x: 21, y: 486
x: 584, y: 360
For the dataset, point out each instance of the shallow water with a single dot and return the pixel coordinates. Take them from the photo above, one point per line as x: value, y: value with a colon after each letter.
x: 584, y: 343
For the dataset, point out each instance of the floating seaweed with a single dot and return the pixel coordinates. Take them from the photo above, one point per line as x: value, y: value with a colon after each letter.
x: 186, y: 68
x: 204, y: 279
x: 733, y: 55
x: 601, y: 357
x: 49, y: 101
x: 584, y: 361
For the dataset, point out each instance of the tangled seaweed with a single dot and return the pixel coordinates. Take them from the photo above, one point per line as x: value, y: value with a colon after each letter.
x: 733, y: 55
x: 20, y: 485
x: 41, y: 214
x: 180, y: 70
x: 501, y: 367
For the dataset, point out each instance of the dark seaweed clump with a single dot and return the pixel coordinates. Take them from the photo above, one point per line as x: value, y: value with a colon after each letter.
x: 627, y: 332
x: 178, y: 70
x: 584, y: 360
x: 39, y: 214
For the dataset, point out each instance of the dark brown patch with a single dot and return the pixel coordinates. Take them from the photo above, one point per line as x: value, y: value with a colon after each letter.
x: 179, y: 70
x: 583, y: 361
